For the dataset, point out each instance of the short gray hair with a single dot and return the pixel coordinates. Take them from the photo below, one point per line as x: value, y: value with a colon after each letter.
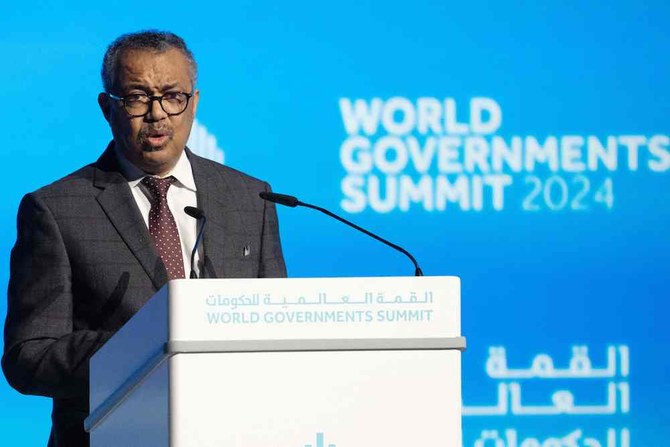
x: 155, y: 40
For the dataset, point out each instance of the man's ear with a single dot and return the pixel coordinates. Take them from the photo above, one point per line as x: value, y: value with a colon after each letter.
x: 195, y: 100
x: 103, y: 102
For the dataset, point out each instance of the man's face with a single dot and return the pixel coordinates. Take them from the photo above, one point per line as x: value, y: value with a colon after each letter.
x: 153, y: 142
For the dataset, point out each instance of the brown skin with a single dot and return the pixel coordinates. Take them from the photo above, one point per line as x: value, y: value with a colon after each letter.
x: 155, y: 141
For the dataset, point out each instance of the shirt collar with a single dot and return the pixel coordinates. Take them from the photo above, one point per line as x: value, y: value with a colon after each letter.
x: 182, y: 171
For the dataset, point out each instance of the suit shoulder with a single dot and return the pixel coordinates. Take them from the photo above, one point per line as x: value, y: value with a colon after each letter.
x: 79, y: 182
x: 231, y: 176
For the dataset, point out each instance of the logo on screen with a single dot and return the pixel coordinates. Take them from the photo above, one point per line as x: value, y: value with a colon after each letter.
x: 319, y: 442
x: 203, y: 143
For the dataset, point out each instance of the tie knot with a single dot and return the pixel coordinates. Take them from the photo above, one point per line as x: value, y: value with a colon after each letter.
x: 158, y: 187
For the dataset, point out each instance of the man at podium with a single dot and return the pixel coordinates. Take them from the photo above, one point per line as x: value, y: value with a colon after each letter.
x: 93, y: 247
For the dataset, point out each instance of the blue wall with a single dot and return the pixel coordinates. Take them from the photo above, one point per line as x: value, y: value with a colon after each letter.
x: 568, y: 249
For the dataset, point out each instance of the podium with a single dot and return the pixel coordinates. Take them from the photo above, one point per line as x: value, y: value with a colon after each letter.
x: 316, y: 362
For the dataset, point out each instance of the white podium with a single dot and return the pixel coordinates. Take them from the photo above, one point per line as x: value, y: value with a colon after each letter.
x: 319, y: 362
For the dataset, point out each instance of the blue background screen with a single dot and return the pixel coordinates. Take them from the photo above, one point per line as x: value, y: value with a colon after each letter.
x: 522, y: 146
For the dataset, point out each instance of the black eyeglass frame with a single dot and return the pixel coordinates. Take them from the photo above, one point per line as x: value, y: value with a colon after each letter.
x: 152, y: 98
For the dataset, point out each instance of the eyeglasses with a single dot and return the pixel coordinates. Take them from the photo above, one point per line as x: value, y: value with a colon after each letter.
x: 139, y: 104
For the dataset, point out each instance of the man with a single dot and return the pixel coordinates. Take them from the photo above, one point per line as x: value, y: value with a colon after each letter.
x: 93, y: 247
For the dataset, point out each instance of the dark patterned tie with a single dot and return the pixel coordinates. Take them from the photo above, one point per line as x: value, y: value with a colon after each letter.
x: 162, y: 226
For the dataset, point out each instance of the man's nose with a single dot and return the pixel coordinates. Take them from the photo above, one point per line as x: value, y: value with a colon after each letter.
x: 156, y: 112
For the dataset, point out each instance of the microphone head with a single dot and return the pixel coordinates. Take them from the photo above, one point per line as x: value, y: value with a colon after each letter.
x: 281, y: 199
x: 194, y: 212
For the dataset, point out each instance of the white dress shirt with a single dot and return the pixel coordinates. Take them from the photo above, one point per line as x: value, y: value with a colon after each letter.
x: 182, y: 193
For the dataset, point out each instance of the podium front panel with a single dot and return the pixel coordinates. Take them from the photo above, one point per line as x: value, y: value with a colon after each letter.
x: 352, y: 399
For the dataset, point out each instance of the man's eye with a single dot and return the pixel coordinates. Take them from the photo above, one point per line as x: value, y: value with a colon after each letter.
x: 134, y: 99
x: 173, y: 96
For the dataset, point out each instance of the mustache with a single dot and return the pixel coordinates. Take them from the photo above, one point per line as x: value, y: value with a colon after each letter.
x: 148, y: 131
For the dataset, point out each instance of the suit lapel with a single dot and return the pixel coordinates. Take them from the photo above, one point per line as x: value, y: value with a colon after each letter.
x: 118, y: 203
x: 220, y: 246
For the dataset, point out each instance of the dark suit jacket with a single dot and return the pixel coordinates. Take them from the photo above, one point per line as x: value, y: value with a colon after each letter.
x: 84, y: 263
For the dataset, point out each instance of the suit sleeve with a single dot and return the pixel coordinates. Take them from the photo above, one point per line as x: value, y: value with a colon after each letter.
x: 43, y: 353
x: 272, y: 259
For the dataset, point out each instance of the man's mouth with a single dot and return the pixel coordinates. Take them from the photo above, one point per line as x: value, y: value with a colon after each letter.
x: 156, y: 138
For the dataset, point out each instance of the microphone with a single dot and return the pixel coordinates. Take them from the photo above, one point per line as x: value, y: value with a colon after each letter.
x: 292, y: 202
x: 196, y: 213
x: 281, y: 199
